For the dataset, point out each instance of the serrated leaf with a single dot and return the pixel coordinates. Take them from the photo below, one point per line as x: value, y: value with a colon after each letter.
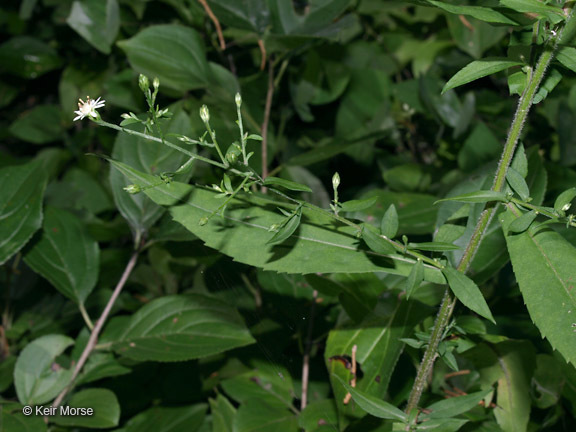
x: 543, y: 263
x: 517, y: 183
x: 456, y: 405
x: 523, y: 222
x: 66, y: 255
x: 20, y: 206
x: 287, y: 229
x: 358, y: 205
x: 286, y: 184
x: 246, y: 232
x: 103, y: 402
x: 375, y: 242
x: 372, y: 405
x: 36, y: 379
x: 415, y: 277
x: 565, y: 199
x: 479, y: 69
x: 389, y: 224
x: 478, y: 197
x: 467, y: 292
x: 182, y: 327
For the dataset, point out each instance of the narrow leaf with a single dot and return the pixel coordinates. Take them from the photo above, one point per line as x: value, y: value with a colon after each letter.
x: 478, y: 197
x: 415, y: 277
x: 456, y: 405
x: 389, y: 225
x: 433, y: 246
x: 287, y: 229
x: 375, y: 242
x: 564, y: 200
x: 358, y: 205
x: 517, y: 183
x: 286, y: 184
x: 522, y: 223
x: 555, y: 14
x: 372, y: 405
x: 182, y: 327
x: 467, y: 292
x: 478, y: 12
x: 479, y: 69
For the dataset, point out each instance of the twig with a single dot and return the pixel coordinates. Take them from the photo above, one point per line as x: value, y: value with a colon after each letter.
x: 267, y: 109
x: 216, y: 23
x: 98, y: 327
x: 353, y: 371
x: 306, y: 359
x: 263, y: 52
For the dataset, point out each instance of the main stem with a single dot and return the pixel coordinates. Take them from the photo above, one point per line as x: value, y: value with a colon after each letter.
x: 448, y: 302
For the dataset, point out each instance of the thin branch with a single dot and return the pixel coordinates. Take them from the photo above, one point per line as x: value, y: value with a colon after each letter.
x: 265, y: 123
x: 263, y: 52
x: 98, y: 327
x: 306, y: 358
x: 216, y: 23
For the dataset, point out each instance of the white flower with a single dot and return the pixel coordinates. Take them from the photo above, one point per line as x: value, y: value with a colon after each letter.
x: 88, y: 108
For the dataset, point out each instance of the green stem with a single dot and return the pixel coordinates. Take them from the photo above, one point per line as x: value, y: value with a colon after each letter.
x: 448, y: 302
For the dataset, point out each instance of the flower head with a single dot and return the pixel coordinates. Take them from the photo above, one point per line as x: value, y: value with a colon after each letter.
x: 88, y: 108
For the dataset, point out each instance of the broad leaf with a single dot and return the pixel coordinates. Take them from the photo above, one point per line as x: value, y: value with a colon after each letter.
x: 163, y: 419
x: 478, y: 12
x: 523, y: 222
x: 103, y: 402
x: 467, y: 292
x: 97, y: 21
x: 66, y: 255
x: 517, y: 183
x: 223, y: 414
x: 543, y: 263
x: 479, y: 69
x: 173, y: 53
x: 256, y: 415
x: 36, y: 376
x: 456, y: 405
x: 41, y: 125
x: 28, y: 57
x: 20, y: 206
x: 389, y: 224
x: 375, y: 242
x: 555, y: 14
x: 564, y: 200
x: 183, y: 327
x: 415, y: 277
x: 288, y: 228
x: 12, y: 419
x: 246, y: 224
x: 358, y: 205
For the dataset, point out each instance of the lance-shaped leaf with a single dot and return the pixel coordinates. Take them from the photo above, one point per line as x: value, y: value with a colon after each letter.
x: 467, y: 292
x: 479, y: 69
x: 523, y: 222
x: 517, y: 183
x: 66, y: 255
x: 564, y: 200
x: 456, y: 405
x: 286, y: 184
x: 543, y: 263
x: 481, y: 13
x: 20, y: 206
x: 415, y: 277
x: 478, y: 197
x: 287, y: 228
x: 183, y: 327
x: 389, y: 224
x: 358, y: 205
x: 319, y: 246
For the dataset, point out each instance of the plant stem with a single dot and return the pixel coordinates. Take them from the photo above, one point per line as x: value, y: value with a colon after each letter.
x: 448, y: 302
x: 85, y: 316
x: 266, y: 121
x: 98, y: 327
x: 306, y: 358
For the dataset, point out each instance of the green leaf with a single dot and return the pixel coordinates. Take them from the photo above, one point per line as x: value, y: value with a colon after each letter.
x: 555, y: 14
x: 319, y: 412
x: 357, y: 205
x: 41, y: 125
x: 389, y: 224
x: 246, y: 223
x: 36, y: 378
x: 251, y: 15
x: 478, y: 197
x: 257, y: 415
x: 173, y: 53
x: 565, y: 200
x: 543, y: 263
x: 479, y: 69
x: 97, y: 21
x: 223, y: 414
x: 375, y: 242
x: 12, y: 419
x: 467, y: 292
x: 567, y: 56
x: 28, y: 57
x: 456, y: 405
x: 517, y: 183
x: 66, y: 255
x: 103, y: 402
x: 373, y: 405
x: 101, y: 365
x: 433, y: 246
x: 288, y: 228
x: 523, y: 222
x: 442, y: 425
x: 182, y: 327
x: 478, y: 12
x: 163, y: 419
x: 20, y: 206
x: 520, y: 161
x: 286, y: 184
x: 415, y: 277
x: 553, y: 77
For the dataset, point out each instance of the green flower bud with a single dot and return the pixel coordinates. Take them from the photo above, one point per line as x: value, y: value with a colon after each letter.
x: 144, y: 83
x: 204, y: 114
x: 203, y: 221
x: 156, y: 83
x: 233, y: 153
x: 335, y: 181
x: 133, y: 189
x: 238, y: 100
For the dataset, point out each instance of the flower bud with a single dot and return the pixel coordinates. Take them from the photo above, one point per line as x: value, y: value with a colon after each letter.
x: 204, y: 114
x: 566, y: 207
x: 203, y: 221
x: 133, y: 189
x: 238, y: 100
x: 143, y: 82
x: 335, y: 181
x: 156, y: 83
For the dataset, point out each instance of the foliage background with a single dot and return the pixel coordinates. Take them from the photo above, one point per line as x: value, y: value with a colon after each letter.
x: 356, y: 90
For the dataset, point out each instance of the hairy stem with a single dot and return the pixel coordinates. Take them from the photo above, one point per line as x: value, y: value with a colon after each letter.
x: 98, y: 328
x: 448, y: 302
